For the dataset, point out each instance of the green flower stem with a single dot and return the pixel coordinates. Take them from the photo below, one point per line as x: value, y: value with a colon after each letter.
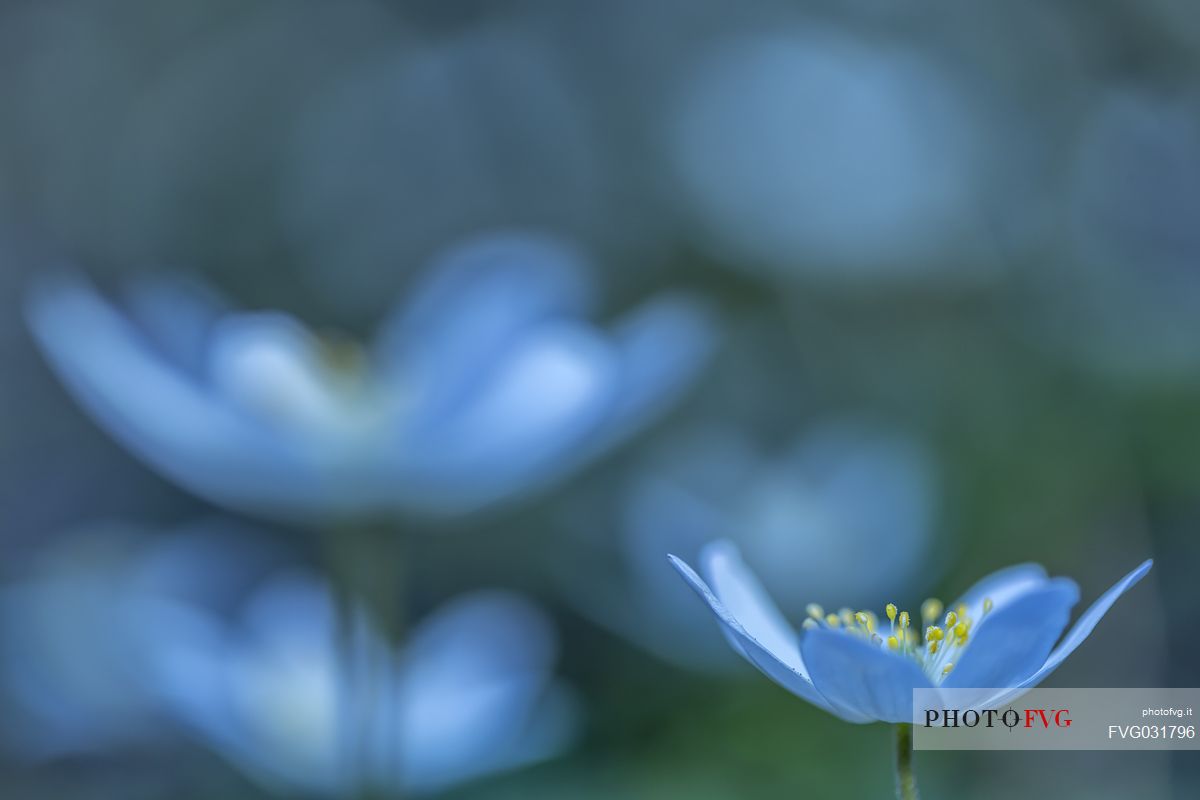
x: 906, y: 779
x: 368, y: 566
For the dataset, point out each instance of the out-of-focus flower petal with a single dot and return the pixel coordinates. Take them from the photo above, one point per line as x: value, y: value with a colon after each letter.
x: 794, y: 513
x: 81, y: 632
x: 269, y: 696
x: 801, y: 515
x: 268, y: 365
x: 177, y: 316
x: 663, y: 345
x: 477, y: 676
x: 504, y: 392
x: 804, y: 149
x: 155, y: 410
x: 298, y: 705
x: 478, y: 298
x: 547, y: 395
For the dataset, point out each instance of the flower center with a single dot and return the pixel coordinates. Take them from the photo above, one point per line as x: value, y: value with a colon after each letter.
x: 315, y: 386
x: 942, y: 644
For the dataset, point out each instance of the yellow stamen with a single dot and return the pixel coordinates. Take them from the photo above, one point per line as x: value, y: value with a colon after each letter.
x: 931, y: 609
x: 960, y: 631
x: 808, y: 624
x: 951, y: 618
x: 933, y: 647
x: 904, y: 619
x: 893, y: 643
x: 847, y: 617
x: 866, y: 620
x: 961, y: 609
x: 946, y: 669
x: 815, y: 611
x: 934, y: 633
x: 891, y: 612
x: 832, y: 620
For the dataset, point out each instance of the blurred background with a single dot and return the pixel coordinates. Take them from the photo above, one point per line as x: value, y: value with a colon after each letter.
x: 362, y: 361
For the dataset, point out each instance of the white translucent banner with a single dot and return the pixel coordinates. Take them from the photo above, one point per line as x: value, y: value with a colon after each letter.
x: 1056, y: 719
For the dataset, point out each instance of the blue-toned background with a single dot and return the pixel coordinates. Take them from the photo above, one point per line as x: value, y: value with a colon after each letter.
x: 362, y: 361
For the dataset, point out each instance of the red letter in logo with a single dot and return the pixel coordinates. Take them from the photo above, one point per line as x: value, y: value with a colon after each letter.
x: 1040, y: 712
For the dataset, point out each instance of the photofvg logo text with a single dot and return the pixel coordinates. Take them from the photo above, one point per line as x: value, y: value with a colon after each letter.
x: 1055, y: 719
x: 991, y: 717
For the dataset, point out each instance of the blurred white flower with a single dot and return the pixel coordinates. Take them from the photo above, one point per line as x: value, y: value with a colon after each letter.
x: 118, y: 642
x: 78, y: 632
x: 486, y: 383
x: 279, y: 695
x: 805, y: 150
x: 847, y: 511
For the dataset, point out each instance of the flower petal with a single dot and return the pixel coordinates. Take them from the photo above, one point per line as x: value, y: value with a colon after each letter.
x: 1002, y: 587
x: 268, y: 365
x: 774, y: 665
x: 476, y: 300
x: 177, y: 314
x: 663, y: 345
x: 1013, y: 640
x: 1085, y: 624
x: 859, y: 678
x: 742, y: 593
x: 157, y: 410
x: 473, y: 688
x: 521, y: 428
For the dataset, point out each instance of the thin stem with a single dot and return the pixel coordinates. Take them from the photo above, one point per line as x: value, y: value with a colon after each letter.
x: 906, y: 779
x: 368, y: 566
